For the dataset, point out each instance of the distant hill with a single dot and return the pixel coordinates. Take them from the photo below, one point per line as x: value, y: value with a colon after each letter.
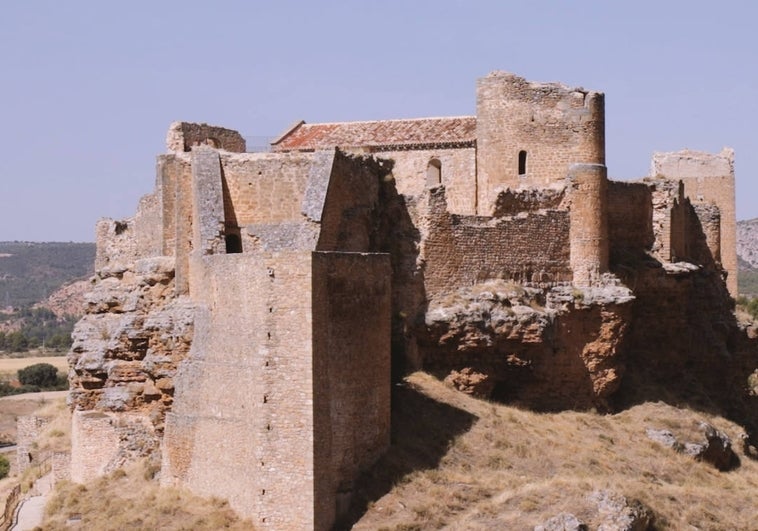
x: 747, y: 256
x: 31, y: 271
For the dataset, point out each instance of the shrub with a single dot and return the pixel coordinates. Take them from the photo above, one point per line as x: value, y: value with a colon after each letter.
x: 5, y: 466
x: 39, y: 374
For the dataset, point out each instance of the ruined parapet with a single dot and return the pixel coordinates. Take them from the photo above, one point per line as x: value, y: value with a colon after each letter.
x: 669, y: 218
x: 182, y: 136
x: 588, y: 234
x: 528, y: 133
x: 512, y: 202
x: 28, y: 430
x: 708, y: 178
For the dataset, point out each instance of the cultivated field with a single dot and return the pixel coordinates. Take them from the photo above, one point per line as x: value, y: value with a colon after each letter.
x: 10, y: 366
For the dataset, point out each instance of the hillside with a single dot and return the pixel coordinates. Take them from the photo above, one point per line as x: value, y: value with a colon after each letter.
x: 462, y: 463
x: 32, y: 271
x: 747, y: 256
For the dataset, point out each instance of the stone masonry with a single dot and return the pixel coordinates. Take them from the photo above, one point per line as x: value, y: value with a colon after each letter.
x: 244, y: 327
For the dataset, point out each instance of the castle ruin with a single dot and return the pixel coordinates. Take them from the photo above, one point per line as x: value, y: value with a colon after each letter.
x: 245, y: 325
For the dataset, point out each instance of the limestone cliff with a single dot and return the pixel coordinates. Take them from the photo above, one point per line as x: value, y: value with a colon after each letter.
x: 126, y: 351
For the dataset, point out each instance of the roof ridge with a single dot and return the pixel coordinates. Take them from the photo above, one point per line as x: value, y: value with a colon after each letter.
x: 307, y: 124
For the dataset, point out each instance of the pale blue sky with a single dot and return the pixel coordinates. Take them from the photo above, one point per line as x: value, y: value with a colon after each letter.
x: 89, y: 88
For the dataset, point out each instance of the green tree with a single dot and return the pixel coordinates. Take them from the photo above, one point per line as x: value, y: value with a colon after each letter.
x: 39, y: 374
x: 5, y: 467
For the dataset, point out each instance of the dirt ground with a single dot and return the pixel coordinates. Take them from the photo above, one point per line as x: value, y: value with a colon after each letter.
x: 11, y: 407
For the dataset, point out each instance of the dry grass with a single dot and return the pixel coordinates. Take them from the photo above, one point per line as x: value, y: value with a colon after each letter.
x: 498, y: 467
x: 130, y: 499
x: 127, y: 499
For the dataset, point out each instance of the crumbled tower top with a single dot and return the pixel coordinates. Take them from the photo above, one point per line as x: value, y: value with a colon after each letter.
x: 182, y: 136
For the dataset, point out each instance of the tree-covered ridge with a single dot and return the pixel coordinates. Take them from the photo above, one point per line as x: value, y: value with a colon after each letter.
x: 30, y: 271
x: 40, y: 328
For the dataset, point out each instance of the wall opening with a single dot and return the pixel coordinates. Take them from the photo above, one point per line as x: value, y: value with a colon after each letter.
x: 433, y: 173
x: 233, y: 244
x: 522, y: 162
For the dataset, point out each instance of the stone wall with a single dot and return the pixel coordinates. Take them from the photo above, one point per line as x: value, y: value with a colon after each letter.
x: 465, y: 250
x: 630, y: 228
x: 241, y: 425
x: 457, y: 173
x: 94, y: 444
x: 708, y: 178
x: 552, y: 124
x: 257, y: 354
x: 265, y: 187
x: 351, y: 373
x: 28, y: 430
x: 182, y: 136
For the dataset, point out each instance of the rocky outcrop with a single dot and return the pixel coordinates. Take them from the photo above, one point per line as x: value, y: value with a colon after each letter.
x: 561, y: 522
x: 618, y: 513
x: 716, y: 449
x: 127, y: 347
x: 547, y: 349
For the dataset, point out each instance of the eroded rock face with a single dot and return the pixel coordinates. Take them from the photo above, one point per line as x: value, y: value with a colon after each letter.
x: 127, y: 347
x: 548, y: 349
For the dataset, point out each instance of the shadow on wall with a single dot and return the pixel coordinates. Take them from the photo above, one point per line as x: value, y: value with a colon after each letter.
x: 396, y: 234
x: 422, y: 431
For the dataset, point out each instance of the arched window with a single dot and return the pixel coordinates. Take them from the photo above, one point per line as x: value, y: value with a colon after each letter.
x: 433, y: 173
x: 522, y: 162
x: 233, y: 244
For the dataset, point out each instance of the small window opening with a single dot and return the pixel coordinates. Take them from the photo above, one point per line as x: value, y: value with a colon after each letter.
x: 522, y: 162
x: 433, y: 173
x: 233, y: 244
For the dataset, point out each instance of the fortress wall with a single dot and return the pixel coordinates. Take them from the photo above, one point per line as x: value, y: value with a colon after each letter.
x: 588, y: 232
x: 351, y: 372
x: 555, y: 125
x: 264, y: 187
x: 630, y: 211
x: 242, y: 422
x: 458, y: 174
x: 462, y: 250
x: 94, y: 444
x: 708, y: 178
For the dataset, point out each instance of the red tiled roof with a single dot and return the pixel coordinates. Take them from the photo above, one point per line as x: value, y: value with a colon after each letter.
x: 385, y: 133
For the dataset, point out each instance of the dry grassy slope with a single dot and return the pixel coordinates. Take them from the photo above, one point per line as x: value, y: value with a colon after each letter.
x: 462, y: 463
